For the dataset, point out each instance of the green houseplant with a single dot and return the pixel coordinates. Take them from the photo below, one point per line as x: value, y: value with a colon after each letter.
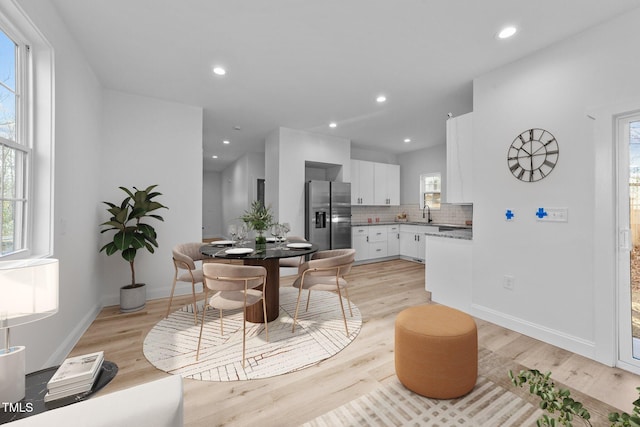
x: 259, y: 218
x: 132, y: 232
x: 561, y: 408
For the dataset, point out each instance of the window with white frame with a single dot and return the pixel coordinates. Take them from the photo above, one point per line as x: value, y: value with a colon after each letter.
x: 15, y: 154
x: 430, y: 190
x: 26, y: 137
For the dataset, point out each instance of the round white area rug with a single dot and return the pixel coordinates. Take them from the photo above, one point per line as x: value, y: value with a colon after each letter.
x: 172, y: 343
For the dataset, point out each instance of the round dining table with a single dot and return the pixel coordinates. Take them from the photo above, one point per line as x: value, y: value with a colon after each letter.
x: 269, y: 259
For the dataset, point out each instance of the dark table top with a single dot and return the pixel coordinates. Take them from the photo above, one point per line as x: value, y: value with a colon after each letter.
x: 272, y: 251
x: 36, y: 388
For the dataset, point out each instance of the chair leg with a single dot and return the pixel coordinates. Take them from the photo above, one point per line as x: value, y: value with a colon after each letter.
x: 344, y: 316
x: 204, y: 310
x: 308, y: 300
x: 264, y: 313
x: 295, y: 317
x: 173, y: 288
x: 346, y: 293
x: 195, y: 303
x: 244, y: 331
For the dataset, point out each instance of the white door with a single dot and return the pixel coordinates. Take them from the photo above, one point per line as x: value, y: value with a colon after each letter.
x: 628, y: 140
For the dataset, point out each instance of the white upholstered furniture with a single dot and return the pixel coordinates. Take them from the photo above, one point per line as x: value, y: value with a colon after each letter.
x: 154, y: 404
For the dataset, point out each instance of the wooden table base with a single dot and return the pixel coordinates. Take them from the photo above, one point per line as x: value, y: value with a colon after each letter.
x: 272, y: 293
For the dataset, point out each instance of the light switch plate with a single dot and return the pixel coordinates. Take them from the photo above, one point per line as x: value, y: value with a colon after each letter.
x: 554, y: 215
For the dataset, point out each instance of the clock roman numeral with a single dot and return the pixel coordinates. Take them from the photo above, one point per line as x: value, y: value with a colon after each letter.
x: 549, y: 163
x: 530, y: 134
x: 514, y: 167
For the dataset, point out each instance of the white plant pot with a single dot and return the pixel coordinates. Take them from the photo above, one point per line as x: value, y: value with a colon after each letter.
x: 133, y: 298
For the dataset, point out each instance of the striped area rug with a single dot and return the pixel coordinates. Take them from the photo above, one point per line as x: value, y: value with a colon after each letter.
x: 391, y: 404
x: 172, y: 343
x: 494, y: 402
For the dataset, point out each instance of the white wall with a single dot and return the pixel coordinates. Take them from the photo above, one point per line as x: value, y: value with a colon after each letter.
x: 239, y: 187
x: 416, y: 163
x: 149, y: 141
x: 212, y: 224
x: 373, y: 155
x: 78, y: 112
x: 286, y: 151
x: 99, y: 136
x: 564, y: 277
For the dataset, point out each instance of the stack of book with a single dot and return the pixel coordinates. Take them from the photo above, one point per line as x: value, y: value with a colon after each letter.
x: 76, y: 375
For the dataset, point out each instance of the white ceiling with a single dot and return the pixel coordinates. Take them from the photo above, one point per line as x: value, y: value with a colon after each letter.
x: 303, y: 63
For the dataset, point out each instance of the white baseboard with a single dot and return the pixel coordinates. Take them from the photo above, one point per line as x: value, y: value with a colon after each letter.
x: 560, y: 339
x: 182, y: 288
x: 73, y: 337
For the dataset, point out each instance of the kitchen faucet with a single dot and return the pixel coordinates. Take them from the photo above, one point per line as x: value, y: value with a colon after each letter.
x: 426, y: 206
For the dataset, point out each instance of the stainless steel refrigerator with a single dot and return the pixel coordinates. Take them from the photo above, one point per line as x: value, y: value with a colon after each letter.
x: 328, y: 214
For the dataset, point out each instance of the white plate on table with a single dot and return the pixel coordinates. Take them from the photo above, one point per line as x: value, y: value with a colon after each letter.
x: 300, y: 245
x: 223, y: 242
x: 273, y: 240
x: 238, y: 251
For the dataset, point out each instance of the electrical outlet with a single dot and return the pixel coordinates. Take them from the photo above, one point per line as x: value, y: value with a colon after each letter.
x: 508, y: 282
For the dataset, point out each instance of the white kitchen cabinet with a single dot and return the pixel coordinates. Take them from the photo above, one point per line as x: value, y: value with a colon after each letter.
x: 386, y: 184
x: 374, y: 184
x: 412, y: 241
x: 361, y: 182
x: 393, y: 240
x: 375, y: 241
x: 360, y: 242
x: 459, y: 182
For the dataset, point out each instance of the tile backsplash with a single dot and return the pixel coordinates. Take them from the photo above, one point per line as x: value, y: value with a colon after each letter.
x: 447, y: 214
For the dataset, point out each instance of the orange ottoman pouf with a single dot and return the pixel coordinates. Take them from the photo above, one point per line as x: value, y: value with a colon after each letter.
x: 436, y: 351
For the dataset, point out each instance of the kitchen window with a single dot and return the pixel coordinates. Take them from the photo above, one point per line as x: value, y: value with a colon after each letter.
x: 430, y: 190
x: 26, y: 137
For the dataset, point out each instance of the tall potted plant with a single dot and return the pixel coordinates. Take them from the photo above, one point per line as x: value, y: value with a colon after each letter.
x: 132, y: 232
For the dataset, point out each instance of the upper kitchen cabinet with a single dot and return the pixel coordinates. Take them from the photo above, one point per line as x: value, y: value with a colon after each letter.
x: 459, y: 159
x: 374, y: 184
x: 361, y: 182
x: 386, y: 184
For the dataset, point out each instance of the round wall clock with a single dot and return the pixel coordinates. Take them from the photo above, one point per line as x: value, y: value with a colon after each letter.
x: 532, y: 155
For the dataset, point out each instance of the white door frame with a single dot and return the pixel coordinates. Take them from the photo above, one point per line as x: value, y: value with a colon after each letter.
x: 626, y: 358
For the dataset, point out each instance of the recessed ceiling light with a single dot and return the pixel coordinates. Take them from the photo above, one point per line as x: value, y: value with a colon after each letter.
x: 219, y: 71
x: 226, y: 141
x: 381, y: 98
x: 214, y: 157
x: 333, y: 124
x: 507, y: 32
x: 407, y: 140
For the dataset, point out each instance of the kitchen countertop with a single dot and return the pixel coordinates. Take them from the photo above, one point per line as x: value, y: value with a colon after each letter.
x: 464, y: 232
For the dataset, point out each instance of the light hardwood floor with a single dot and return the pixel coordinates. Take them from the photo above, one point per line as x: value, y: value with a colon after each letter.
x: 380, y: 290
